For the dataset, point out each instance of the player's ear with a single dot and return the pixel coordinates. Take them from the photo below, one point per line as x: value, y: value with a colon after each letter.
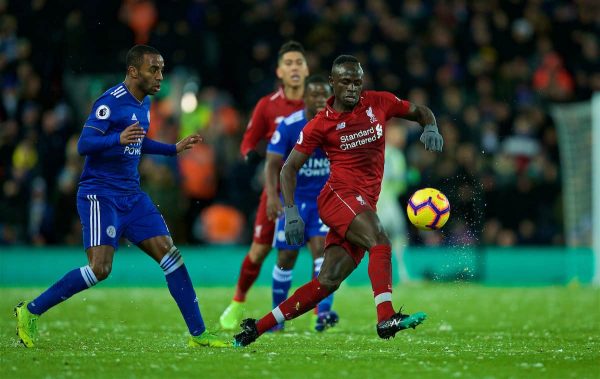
x: 132, y: 72
x: 279, y: 72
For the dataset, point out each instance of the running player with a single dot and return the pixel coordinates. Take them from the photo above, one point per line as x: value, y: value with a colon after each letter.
x: 351, y: 132
x: 111, y: 203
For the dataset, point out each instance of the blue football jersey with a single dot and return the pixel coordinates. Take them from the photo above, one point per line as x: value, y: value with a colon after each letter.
x: 315, y: 171
x: 115, y: 170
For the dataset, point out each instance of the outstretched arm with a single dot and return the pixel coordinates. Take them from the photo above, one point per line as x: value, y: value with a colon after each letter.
x: 431, y: 138
x: 150, y: 146
x: 421, y: 114
x: 288, y: 175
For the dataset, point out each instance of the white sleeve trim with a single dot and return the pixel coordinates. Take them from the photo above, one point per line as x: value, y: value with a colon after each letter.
x: 93, y: 127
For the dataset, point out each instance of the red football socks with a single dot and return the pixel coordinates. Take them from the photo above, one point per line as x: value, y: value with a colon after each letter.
x: 380, y: 273
x: 304, y: 299
x: 248, y: 274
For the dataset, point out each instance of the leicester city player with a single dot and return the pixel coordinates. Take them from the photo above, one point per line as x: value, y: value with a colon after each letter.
x: 111, y: 204
x: 310, y: 180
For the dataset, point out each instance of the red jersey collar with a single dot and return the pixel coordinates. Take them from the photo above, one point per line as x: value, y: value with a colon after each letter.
x: 334, y: 115
x: 281, y: 93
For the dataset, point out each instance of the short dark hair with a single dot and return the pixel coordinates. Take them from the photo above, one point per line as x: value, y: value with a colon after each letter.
x: 135, y: 55
x: 290, y: 46
x: 315, y: 79
x: 344, y: 59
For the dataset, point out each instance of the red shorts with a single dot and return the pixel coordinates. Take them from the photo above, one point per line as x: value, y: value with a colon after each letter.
x: 337, y: 209
x: 263, y: 228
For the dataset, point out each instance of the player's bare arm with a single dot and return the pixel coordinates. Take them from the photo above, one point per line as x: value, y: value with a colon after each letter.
x: 294, y: 225
x: 132, y: 134
x: 272, y: 169
x: 187, y: 143
x: 431, y: 138
x: 421, y: 114
x: 288, y: 174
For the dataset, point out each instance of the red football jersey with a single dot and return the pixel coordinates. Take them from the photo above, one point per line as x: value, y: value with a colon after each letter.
x: 354, y: 141
x: 268, y: 113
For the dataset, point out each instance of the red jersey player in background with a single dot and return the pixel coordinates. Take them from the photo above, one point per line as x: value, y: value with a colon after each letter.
x: 270, y: 110
x: 351, y: 131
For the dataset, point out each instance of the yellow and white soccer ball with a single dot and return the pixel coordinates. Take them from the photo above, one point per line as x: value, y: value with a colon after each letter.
x: 428, y: 209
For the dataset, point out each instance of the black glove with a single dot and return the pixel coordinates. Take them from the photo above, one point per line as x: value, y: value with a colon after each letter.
x: 294, y: 226
x: 431, y: 138
x: 253, y: 158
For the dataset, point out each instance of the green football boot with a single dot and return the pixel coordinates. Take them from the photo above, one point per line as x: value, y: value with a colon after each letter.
x: 232, y: 316
x: 26, y: 324
x: 208, y: 339
x: 399, y: 321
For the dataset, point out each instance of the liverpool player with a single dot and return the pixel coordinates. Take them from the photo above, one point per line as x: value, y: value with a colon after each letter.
x: 270, y: 110
x: 351, y: 132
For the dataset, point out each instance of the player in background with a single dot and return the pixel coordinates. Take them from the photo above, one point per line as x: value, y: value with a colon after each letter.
x: 292, y: 70
x: 111, y: 203
x: 311, y: 178
x: 351, y: 132
x: 393, y: 185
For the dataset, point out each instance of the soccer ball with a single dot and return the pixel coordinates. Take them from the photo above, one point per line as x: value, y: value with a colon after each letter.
x: 428, y: 209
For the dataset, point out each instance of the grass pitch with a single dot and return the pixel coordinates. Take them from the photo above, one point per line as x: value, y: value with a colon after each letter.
x: 471, y: 332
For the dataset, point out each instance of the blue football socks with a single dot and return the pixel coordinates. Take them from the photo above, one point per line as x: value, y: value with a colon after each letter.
x: 182, y: 290
x: 73, y: 282
x: 325, y: 304
x: 282, y: 281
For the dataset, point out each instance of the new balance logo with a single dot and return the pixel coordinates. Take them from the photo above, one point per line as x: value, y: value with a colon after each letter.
x: 341, y: 125
x: 395, y: 322
x: 134, y: 117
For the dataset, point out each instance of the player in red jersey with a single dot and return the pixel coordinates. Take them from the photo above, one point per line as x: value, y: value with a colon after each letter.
x: 270, y: 110
x: 351, y: 131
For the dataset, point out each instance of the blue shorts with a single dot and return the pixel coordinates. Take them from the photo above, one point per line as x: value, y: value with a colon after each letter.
x: 106, y: 219
x: 313, y: 226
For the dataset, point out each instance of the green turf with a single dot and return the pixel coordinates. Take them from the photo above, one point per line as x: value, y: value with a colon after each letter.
x: 471, y: 332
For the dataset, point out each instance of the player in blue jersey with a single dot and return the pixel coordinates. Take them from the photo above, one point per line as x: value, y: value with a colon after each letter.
x: 111, y: 204
x: 310, y: 180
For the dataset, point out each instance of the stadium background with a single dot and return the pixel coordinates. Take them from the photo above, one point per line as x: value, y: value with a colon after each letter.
x: 489, y: 71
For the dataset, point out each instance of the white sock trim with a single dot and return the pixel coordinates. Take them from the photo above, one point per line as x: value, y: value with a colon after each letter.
x: 171, y: 261
x: 383, y: 297
x: 278, y: 315
x: 282, y: 275
x: 88, y: 275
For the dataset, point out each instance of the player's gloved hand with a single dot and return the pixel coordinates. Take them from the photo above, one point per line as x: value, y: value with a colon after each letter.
x: 294, y: 226
x: 253, y: 158
x: 431, y: 138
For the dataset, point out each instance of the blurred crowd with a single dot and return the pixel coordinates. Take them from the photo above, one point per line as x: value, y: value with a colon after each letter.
x: 488, y: 70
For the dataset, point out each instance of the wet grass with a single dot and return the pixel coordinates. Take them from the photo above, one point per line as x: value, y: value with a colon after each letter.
x: 472, y: 332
